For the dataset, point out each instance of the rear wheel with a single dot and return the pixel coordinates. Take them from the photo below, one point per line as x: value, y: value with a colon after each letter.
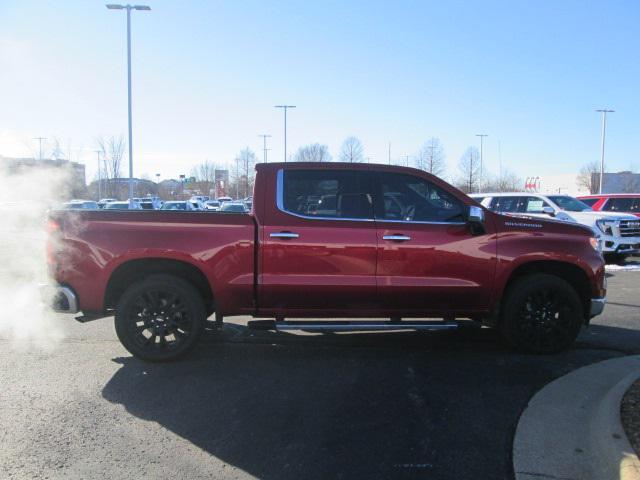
x: 160, y: 318
x: 541, y: 314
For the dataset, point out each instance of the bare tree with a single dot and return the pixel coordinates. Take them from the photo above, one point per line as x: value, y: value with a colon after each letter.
x: 313, y: 152
x: 243, y: 173
x: 205, y: 175
x: 508, y: 182
x: 352, y: 150
x: 469, y: 168
x: 588, y: 178
x: 112, y: 151
x: 430, y: 158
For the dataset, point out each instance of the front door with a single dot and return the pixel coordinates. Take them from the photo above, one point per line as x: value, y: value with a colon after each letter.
x: 319, y: 244
x: 429, y: 260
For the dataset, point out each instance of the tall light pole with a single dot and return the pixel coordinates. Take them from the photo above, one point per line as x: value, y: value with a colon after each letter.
x: 604, y: 112
x: 128, y: 8
x: 40, y: 139
x: 285, y: 108
x: 264, y: 145
x: 481, y: 135
x: 99, y: 176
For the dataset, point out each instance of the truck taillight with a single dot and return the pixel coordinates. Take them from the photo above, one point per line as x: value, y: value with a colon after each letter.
x: 52, y: 226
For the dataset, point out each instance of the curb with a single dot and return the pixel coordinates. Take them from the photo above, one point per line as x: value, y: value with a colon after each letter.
x: 610, y: 441
x: 571, y: 429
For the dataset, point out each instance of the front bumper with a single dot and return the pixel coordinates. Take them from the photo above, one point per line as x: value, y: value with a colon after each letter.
x: 597, y: 306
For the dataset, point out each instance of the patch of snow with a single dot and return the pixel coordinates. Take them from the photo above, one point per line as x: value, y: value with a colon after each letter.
x: 628, y: 266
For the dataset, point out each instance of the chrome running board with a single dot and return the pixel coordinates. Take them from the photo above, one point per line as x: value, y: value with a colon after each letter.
x: 351, y: 325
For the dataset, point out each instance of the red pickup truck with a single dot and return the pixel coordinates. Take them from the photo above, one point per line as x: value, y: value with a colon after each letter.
x: 382, y: 245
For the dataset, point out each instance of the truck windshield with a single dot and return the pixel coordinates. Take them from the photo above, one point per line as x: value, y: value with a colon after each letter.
x: 569, y: 203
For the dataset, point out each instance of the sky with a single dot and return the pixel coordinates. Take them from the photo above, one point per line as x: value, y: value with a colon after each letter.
x: 206, y: 77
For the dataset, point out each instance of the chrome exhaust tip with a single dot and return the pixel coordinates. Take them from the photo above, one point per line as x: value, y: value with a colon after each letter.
x: 64, y: 300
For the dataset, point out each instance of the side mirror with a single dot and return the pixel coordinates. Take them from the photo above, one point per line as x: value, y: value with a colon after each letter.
x: 549, y: 211
x: 475, y: 215
x: 475, y: 219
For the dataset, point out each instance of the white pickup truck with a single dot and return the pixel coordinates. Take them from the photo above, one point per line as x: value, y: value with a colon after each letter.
x: 619, y: 232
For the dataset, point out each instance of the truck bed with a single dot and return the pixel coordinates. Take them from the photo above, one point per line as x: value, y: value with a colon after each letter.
x: 92, y: 251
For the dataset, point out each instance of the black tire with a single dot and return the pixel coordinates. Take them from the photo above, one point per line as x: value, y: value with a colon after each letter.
x: 160, y: 318
x: 541, y: 314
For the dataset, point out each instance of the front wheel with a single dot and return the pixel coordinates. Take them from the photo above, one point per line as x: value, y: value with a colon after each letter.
x: 541, y: 314
x: 160, y: 318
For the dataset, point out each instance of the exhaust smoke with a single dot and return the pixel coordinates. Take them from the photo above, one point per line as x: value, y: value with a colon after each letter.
x: 26, y: 195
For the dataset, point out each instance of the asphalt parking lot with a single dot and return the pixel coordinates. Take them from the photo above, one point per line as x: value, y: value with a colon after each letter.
x: 438, y: 405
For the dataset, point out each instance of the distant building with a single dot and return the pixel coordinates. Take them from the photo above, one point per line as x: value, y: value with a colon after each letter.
x: 222, y: 184
x: 77, y: 185
x: 621, y: 182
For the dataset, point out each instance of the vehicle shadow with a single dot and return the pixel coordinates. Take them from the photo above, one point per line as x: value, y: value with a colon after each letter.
x: 390, y: 405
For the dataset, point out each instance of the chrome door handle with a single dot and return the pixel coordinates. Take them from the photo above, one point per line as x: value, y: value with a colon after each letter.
x: 397, y: 238
x: 284, y: 235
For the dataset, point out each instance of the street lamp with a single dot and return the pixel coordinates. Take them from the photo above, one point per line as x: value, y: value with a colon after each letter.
x: 604, y: 112
x: 285, y: 107
x: 264, y: 145
x: 128, y: 8
x: 99, y: 176
x: 481, y: 135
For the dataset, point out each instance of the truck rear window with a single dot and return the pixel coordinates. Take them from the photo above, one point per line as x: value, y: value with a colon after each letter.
x: 327, y: 194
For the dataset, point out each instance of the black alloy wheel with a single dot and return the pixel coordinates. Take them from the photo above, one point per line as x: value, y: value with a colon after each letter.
x: 160, y: 318
x: 541, y: 314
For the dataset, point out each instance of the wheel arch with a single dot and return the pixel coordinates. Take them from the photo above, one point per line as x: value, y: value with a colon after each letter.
x: 572, y: 274
x: 135, y: 270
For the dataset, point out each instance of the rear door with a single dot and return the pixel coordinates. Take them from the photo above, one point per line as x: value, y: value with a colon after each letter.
x: 429, y: 261
x: 319, y: 243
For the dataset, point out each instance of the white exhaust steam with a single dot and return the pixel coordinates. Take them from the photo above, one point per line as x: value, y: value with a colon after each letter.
x: 26, y: 195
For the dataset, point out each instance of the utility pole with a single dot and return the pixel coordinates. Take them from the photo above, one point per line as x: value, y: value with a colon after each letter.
x: 407, y: 162
x: 389, y: 153
x: 128, y: 8
x: 604, y: 112
x: 264, y: 145
x: 99, y: 176
x: 40, y: 139
x: 285, y: 108
x: 481, y: 135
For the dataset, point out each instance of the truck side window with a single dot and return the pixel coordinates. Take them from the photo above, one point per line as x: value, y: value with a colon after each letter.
x: 328, y: 194
x: 618, y: 205
x: 505, y: 204
x: 534, y: 205
x: 409, y: 198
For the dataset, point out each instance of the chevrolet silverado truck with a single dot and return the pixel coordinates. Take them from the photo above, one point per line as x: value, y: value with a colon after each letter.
x: 386, y: 247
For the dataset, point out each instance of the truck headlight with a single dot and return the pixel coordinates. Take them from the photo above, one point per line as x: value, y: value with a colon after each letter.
x: 606, y: 226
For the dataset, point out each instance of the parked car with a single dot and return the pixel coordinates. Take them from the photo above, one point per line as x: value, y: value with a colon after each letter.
x: 103, y: 201
x: 81, y: 205
x: 224, y: 199
x: 396, y: 242
x: 234, y: 207
x: 124, y: 205
x: 178, y: 205
x: 619, y: 233
x: 212, y: 205
x: 147, y: 204
x: 614, y: 202
x: 199, y: 198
